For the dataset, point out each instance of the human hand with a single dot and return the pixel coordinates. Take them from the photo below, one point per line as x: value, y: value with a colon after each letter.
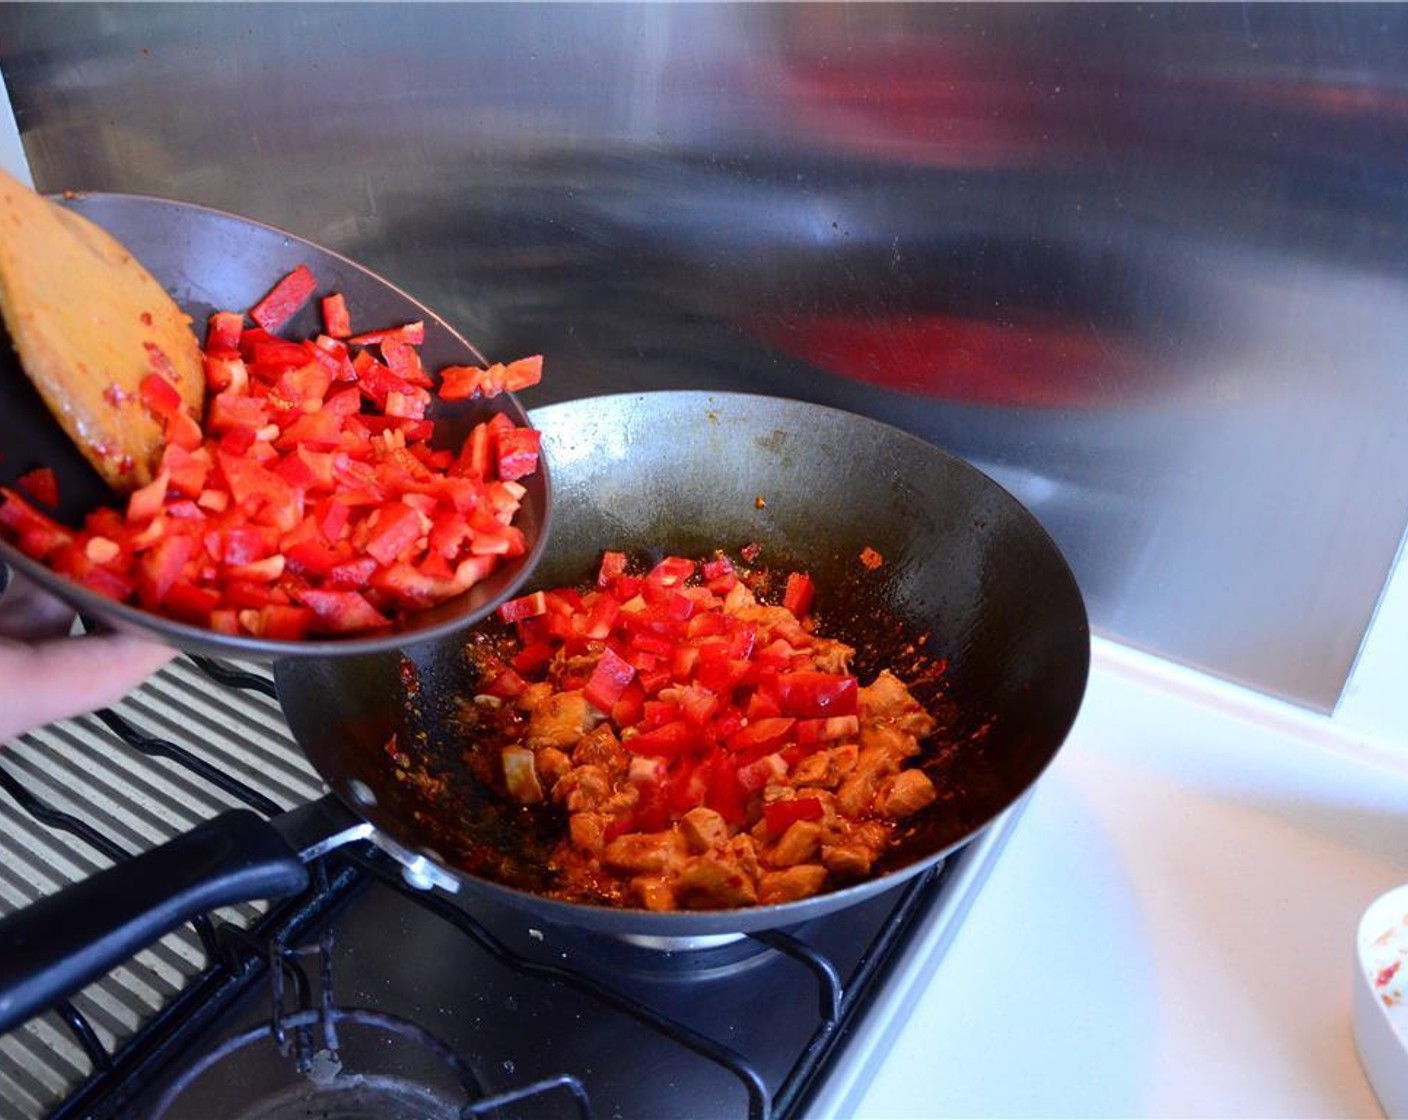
x: 47, y: 674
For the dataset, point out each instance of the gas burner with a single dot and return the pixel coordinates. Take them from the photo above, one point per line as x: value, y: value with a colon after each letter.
x: 667, y: 959
x: 378, y: 1067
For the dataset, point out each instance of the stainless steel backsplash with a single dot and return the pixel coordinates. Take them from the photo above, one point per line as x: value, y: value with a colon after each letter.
x: 1147, y: 266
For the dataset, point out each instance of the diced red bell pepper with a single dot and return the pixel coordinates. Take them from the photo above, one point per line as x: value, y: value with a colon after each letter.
x: 811, y: 693
x: 222, y: 333
x: 525, y: 606
x: 145, y: 502
x: 608, y: 680
x: 783, y: 814
x: 667, y: 740
x: 284, y: 299
x: 760, y: 737
x: 42, y: 485
x: 517, y: 452
x: 341, y: 612
x: 337, y: 323
x: 799, y: 592
x: 396, y: 527
x: 160, y: 395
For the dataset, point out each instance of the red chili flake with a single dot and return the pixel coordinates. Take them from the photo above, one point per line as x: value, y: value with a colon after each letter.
x: 870, y: 558
x: 146, y: 318
x: 1386, y: 974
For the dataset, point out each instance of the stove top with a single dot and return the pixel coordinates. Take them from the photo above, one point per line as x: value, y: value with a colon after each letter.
x: 369, y: 997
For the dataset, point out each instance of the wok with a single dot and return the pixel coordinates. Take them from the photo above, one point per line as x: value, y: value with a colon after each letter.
x: 968, y: 576
x: 211, y: 261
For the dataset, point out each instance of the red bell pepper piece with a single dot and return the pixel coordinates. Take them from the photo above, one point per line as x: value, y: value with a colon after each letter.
x: 341, y: 612
x: 782, y: 815
x: 159, y: 395
x: 222, y: 333
x: 42, y: 485
x: 517, y: 452
x: 669, y: 739
x: 396, y: 528
x: 799, y: 592
x: 811, y: 693
x: 525, y: 606
x: 284, y: 299
x: 337, y: 323
x: 608, y: 680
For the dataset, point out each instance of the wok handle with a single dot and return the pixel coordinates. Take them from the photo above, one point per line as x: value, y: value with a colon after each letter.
x: 55, y: 946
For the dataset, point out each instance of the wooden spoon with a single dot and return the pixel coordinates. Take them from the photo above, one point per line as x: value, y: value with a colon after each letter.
x: 89, y: 323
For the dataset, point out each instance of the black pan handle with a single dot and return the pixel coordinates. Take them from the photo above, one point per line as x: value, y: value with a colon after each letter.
x: 53, y: 947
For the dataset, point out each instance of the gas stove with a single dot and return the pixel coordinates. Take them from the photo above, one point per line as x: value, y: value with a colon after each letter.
x: 367, y: 996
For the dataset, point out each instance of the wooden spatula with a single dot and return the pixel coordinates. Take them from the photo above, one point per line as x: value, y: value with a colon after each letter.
x: 89, y: 323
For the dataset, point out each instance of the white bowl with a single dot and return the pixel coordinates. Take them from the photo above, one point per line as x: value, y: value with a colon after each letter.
x: 1381, y: 998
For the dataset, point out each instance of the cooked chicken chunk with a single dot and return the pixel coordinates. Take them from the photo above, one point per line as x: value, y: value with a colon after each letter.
x: 704, y: 829
x: 644, y: 851
x: 583, y: 787
x: 710, y: 882
x: 521, y: 775
x: 904, y: 794
x: 799, y: 844
x: 588, y: 830
x: 791, y: 883
x: 560, y: 721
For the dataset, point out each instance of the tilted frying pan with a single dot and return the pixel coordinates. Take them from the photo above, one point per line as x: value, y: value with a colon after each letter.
x: 213, y: 261
x: 966, y: 570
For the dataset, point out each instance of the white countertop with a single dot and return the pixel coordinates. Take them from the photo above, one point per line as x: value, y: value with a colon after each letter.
x: 1171, y: 928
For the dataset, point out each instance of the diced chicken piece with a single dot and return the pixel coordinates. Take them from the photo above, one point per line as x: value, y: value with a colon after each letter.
x: 799, y: 844
x: 849, y: 860
x: 703, y: 829
x: 854, y: 795
x: 622, y: 801
x: 825, y: 769
x: 588, y: 830
x: 814, y: 770
x: 739, y: 598
x: 843, y: 758
x: 583, y: 788
x: 904, y: 794
x: 744, y: 852
x: 879, y: 761
x: 886, y: 698
x: 765, y: 616
x: 713, y: 882
x: 653, y: 892
x: 791, y: 883
x: 521, y: 775
x: 553, y: 765
x: 855, y: 851
x: 559, y: 721
x: 651, y: 852
x: 600, y: 747
x: 646, y: 770
x: 888, y: 739
x: 832, y: 656
x: 535, y: 695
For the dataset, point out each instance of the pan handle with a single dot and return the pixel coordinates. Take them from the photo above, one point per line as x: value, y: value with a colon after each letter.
x: 53, y: 947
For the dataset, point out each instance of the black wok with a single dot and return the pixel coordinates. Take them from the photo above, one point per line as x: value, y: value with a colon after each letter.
x: 968, y: 576
x: 213, y: 261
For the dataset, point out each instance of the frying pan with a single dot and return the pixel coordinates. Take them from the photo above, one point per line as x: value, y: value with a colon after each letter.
x: 213, y: 261
x: 968, y: 577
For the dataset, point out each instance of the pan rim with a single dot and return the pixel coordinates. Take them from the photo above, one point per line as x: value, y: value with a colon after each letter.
x: 190, y: 638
